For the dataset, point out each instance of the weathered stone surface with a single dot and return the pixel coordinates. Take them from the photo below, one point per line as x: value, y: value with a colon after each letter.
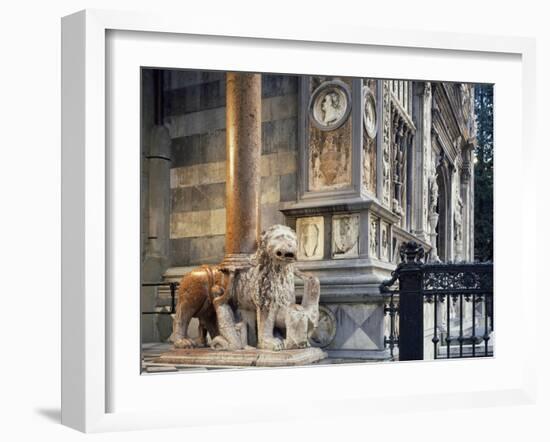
x: 200, y: 223
x: 279, y: 108
x: 274, y: 108
x: 270, y: 192
x: 311, y: 237
x: 280, y: 163
x: 196, y: 198
x: 199, y: 148
x: 195, y: 97
x: 206, y: 249
x: 276, y: 85
x: 345, y: 236
x: 270, y: 215
x: 180, y: 79
x: 358, y: 326
x: 206, y: 357
x: 179, y: 250
x: 279, y: 135
x: 288, y: 187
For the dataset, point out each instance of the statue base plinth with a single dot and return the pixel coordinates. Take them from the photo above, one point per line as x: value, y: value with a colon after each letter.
x: 207, y: 357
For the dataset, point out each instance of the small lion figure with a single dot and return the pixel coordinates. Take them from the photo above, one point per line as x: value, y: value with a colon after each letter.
x: 241, y: 307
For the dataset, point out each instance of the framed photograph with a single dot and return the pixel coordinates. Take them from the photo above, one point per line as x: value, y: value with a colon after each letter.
x: 290, y: 218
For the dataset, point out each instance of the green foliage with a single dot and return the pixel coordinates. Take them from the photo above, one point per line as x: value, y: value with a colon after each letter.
x: 483, y: 174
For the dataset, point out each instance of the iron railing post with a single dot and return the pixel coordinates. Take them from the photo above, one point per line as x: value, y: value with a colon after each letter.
x: 411, y: 303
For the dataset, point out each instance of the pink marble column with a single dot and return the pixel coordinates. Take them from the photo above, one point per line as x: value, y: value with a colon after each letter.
x: 243, y: 148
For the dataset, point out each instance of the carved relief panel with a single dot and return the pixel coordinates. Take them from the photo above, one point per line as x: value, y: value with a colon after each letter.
x: 345, y: 236
x: 373, y: 236
x: 330, y: 134
x: 428, y: 167
x: 457, y: 220
x: 386, y: 143
x: 324, y: 333
x: 310, y: 233
x: 370, y: 129
x: 385, y: 241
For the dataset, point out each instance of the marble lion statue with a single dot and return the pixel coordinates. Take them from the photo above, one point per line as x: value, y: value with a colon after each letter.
x: 250, y: 306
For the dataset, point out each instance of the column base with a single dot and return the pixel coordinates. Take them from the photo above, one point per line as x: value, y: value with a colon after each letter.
x: 238, y: 260
x: 207, y: 357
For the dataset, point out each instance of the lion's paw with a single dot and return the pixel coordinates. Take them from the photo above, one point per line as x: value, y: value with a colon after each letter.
x: 184, y: 343
x: 219, y: 343
x: 275, y: 344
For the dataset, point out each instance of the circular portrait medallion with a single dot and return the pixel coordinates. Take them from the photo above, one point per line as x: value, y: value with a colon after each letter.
x: 330, y: 105
x: 369, y: 115
x: 325, y: 331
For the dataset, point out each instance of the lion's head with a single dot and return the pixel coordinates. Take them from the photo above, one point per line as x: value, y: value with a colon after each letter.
x: 279, y: 243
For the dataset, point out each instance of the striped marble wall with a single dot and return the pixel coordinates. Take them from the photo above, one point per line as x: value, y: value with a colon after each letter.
x: 194, y: 105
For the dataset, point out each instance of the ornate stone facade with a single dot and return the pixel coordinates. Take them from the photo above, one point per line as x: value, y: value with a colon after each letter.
x: 356, y: 166
x: 408, y: 141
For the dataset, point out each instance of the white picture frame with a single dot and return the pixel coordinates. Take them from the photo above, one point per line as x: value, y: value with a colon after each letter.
x: 92, y: 328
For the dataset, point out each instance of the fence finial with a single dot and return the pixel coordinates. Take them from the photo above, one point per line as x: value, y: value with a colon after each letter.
x: 411, y: 252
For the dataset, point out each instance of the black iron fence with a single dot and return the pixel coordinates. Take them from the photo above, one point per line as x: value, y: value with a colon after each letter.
x: 439, y: 310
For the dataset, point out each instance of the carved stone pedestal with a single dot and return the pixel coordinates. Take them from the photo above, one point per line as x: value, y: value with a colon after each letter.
x: 206, y: 357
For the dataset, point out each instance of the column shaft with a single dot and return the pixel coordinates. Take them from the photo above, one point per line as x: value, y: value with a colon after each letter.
x: 244, y: 149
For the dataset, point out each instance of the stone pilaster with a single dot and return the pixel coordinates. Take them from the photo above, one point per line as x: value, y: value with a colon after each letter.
x: 424, y: 169
x: 467, y: 197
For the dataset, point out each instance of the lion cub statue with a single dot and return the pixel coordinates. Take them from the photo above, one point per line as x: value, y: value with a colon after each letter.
x: 252, y: 306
